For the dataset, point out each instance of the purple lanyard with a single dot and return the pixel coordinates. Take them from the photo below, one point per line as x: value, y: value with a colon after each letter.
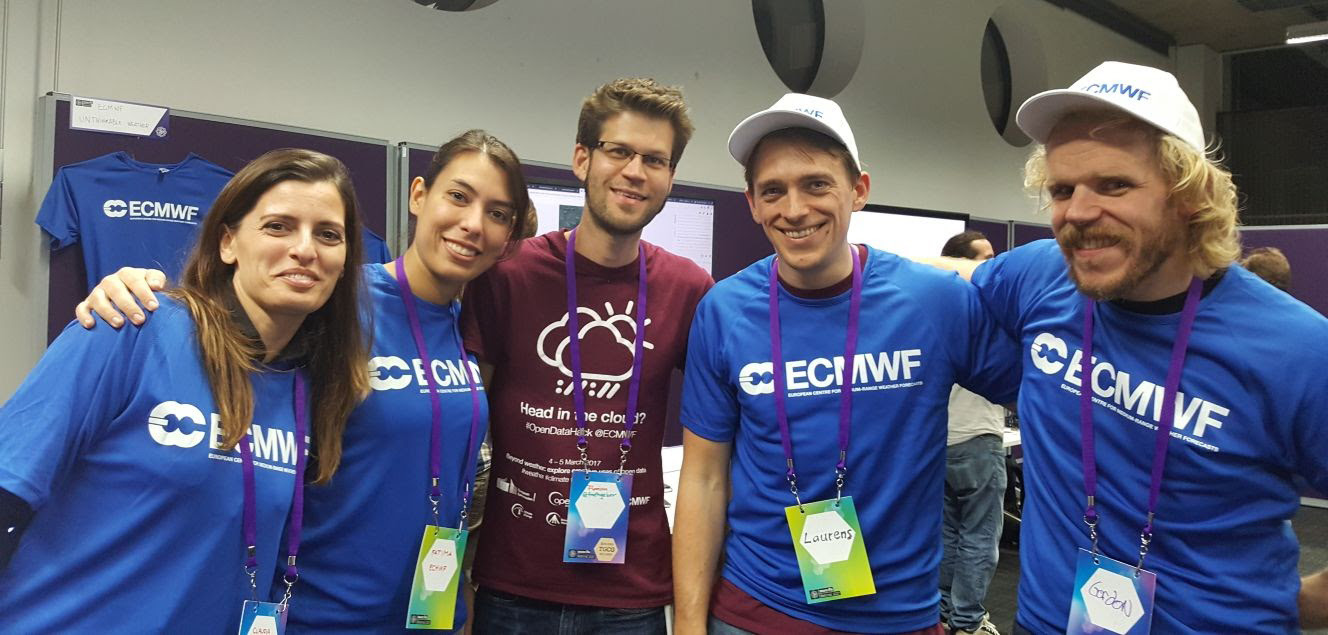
x: 845, y: 383
x: 297, y: 503
x: 1164, y: 425
x: 574, y: 346
x: 436, y: 429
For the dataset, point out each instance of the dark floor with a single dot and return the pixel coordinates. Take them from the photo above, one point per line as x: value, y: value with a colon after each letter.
x: 1311, y: 525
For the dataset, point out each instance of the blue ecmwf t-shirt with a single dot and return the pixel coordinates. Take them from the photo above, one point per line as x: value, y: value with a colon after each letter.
x: 127, y: 213
x: 1250, y: 416
x: 375, y: 248
x: 921, y: 331
x: 362, y: 531
x: 112, y: 440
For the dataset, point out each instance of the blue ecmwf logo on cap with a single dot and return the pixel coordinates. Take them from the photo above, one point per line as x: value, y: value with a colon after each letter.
x: 809, y: 111
x: 1133, y: 92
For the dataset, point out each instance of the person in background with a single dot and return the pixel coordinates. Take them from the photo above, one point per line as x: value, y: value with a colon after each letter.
x: 1270, y: 264
x: 148, y: 472
x: 362, y: 534
x: 974, y: 488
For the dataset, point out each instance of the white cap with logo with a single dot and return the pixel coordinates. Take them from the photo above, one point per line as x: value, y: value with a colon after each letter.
x: 793, y: 110
x: 1150, y: 94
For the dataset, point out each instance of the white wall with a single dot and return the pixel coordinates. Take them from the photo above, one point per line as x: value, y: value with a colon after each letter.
x: 391, y: 69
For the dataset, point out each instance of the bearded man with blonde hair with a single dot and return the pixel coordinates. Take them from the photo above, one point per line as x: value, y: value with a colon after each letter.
x: 1165, y: 414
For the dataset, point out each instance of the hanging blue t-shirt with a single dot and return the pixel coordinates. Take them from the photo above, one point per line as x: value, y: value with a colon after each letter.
x: 922, y: 330
x: 1249, y: 416
x: 375, y: 248
x: 362, y: 531
x: 127, y: 213
x: 112, y: 439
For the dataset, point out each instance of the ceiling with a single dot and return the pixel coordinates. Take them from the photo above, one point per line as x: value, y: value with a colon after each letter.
x: 1223, y: 25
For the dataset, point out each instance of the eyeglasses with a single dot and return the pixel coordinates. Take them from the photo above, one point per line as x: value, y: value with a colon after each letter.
x: 619, y: 153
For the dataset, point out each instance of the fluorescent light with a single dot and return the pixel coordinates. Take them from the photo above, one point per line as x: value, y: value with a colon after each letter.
x: 1305, y: 33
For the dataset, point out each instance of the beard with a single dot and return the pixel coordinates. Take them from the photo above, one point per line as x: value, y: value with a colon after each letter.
x: 617, y: 224
x: 1143, y: 258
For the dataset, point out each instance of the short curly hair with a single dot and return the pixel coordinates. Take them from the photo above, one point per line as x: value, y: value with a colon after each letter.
x: 639, y: 95
x: 1197, y: 181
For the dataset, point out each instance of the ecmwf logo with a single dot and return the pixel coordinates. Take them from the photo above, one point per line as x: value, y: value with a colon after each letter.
x: 1121, y: 390
x: 394, y: 373
x: 183, y: 425
x: 151, y: 210
x: 189, y: 429
x: 758, y: 378
x: 1125, y: 90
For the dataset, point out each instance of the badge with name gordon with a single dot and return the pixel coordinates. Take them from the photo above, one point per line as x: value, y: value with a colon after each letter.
x: 1112, y: 596
x: 262, y: 618
x: 433, y: 594
x: 597, y: 517
x: 831, y: 555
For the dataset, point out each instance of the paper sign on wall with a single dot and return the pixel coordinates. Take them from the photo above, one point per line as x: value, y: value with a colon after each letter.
x: 102, y: 115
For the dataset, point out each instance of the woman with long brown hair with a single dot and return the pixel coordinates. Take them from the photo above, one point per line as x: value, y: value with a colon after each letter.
x: 407, y: 477
x: 151, y: 470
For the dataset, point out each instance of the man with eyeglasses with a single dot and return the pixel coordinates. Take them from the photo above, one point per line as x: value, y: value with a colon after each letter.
x: 576, y: 538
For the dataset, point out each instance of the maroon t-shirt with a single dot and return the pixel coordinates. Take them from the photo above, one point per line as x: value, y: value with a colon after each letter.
x: 515, y: 318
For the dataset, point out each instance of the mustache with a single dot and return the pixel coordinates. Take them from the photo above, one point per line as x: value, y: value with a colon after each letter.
x: 1073, y: 237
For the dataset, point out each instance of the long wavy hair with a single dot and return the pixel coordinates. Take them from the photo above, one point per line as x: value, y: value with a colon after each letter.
x: 337, y: 360
x: 1197, y: 182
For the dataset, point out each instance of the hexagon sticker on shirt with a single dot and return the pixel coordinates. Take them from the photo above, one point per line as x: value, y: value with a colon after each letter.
x: 1111, y: 596
x: 433, y: 593
x: 832, y: 556
x: 597, y: 517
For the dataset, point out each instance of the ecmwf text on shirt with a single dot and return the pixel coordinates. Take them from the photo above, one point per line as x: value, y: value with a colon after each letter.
x: 824, y: 375
x: 183, y: 425
x: 151, y: 210
x: 1115, y: 389
x: 394, y: 373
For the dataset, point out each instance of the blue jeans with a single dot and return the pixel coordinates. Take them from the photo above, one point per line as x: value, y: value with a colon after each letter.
x: 498, y: 612
x: 974, y: 492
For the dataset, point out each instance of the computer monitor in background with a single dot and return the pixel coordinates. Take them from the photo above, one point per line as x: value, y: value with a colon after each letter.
x: 685, y: 226
x: 910, y: 233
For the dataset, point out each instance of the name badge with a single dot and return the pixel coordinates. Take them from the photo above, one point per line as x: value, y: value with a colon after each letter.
x: 831, y: 555
x: 433, y: 594
x: 597, y: 517
x: 1111, y: 595
x: 262, y: 618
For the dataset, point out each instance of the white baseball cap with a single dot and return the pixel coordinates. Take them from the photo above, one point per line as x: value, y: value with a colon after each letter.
x: 1142, y: 91
x: 793, y: 110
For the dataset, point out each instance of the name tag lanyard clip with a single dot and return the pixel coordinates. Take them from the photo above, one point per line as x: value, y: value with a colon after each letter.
x: 435, y: 404
x: 296, y: 523
x: 845, y: 386
x: 1164, y: 427
x: 574, y: 351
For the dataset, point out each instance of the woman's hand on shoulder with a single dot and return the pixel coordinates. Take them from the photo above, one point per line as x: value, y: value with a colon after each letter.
x: 126, y: 292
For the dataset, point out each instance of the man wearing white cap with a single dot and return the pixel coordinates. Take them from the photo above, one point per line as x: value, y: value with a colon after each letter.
x: 1161, y: 497
x: 816, y: 390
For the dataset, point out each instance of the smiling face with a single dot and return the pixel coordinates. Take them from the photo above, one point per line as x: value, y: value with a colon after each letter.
x: 1111, y: 211
x: 462, y: 223
x: 803, y: 197
x: 288, y: 252
x: 622, y: 197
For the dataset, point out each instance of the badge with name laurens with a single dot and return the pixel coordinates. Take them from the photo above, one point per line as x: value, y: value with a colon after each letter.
x: 1110, y: 595
x: 262, y: 618
x: 597, y: 517
x: 433, y: 594
x: 831, y: 555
